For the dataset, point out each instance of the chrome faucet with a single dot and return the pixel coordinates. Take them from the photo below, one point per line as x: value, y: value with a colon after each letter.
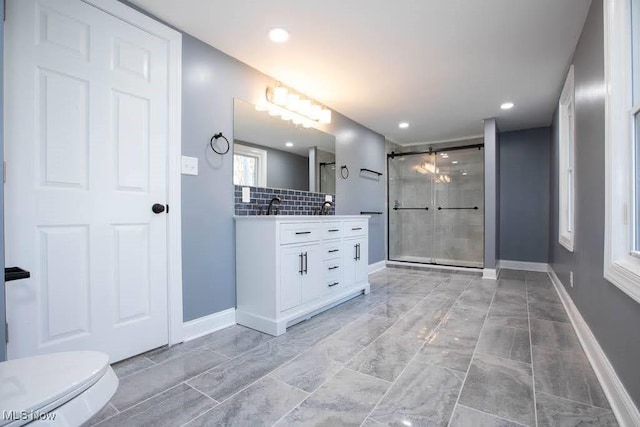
x: 277, y: 200
x: 323, y: 208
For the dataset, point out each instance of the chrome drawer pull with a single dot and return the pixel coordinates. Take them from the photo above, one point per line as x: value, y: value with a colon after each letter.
x: 333, y: 231
x: 334, y: 267
x: 334, y: 250
x: 334, y: 284
x: 357, y: 228
x: 303, y: 232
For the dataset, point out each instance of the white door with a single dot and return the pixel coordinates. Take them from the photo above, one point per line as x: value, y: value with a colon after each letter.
x: 86, y: 148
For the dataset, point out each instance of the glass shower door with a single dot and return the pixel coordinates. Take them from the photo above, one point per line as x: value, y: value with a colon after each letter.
x: 459, y: 208
x: 410, y: 210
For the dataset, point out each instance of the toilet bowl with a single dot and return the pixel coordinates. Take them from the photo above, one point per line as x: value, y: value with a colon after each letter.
x: 58, y: 389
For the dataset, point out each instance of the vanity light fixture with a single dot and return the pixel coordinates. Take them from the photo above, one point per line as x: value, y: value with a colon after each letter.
x: 403, y: 125
x: 507, y: 106
x: 278, y: 35
x: 291, y: 105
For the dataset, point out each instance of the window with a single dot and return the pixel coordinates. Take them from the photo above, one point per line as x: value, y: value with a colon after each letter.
x: 566, y: 147
x: 622, y: 145
x: 249, y: 166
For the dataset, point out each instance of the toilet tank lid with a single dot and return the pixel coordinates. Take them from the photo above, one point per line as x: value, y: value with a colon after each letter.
x: 34, y: 383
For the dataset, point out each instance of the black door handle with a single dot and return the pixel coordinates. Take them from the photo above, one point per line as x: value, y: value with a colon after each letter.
x: 301, y: 268
x: 157, y: 208
x: 306, y: 261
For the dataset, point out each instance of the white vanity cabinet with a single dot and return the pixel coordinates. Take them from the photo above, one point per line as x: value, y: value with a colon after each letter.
x: 291, y: 267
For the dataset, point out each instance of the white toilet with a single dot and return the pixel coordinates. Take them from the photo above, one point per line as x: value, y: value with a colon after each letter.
x: 59, y: 389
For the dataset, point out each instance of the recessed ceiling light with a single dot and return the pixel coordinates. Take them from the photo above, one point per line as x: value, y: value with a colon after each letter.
x: 279, y: 35
x: 289, y: 144
x: 403, y: 125
x: 507, y: 106
x: 455, y: 162
x: 464, y: 173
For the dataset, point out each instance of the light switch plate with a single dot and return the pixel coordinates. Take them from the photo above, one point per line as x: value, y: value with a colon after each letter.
x: 328, y: 198
x: 246, y: 195
x: 189, y: 165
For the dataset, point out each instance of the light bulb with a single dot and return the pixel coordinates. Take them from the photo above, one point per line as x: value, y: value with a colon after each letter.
x: 280, y: 95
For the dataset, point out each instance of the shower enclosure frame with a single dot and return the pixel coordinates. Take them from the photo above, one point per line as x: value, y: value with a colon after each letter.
x: 391, y: 156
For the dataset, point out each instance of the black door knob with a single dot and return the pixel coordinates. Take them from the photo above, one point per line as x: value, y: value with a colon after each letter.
x: 157, y: 208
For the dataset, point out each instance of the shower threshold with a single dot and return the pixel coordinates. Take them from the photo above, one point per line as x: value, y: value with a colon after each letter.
x: 436, y: 263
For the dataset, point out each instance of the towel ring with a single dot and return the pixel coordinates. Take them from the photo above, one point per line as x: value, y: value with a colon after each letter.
x: 216, y: 137
x: 342, y: 174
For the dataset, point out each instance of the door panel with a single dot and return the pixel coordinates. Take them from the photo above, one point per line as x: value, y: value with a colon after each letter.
x: 85, y: 115
x: 312, y: 286
x: 291, y: 270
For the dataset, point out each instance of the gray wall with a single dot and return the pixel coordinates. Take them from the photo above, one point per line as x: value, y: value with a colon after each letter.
x: 524, y: 195
x: 3, y: 354
x: 491, y: 194
x: 210, y: 82
x: 612, y: 316
x: 284, y: 169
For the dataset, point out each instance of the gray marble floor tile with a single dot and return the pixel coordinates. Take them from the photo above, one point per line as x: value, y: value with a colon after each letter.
x: 567, y: 374
x: 536, y: 276
x: 512, y: 286
x: 556, y: 412
x: 386, y: 357
x: 510, y: 298
x: 131, y: 366
x: 468, y: 417
x: 448, y: 350
x: 175, y: 406
x: 261, y: 404
x: 396, y: 306
x: 511, y: 274
x: 313, y: 367
x: 423, y: 395
x: 167, y: 353
x: 509, y: 310
x: 305, y: 334
x: 544, y: 311
x: 366, y: 329
x: 542, y: 292
x: 344, y: 400
x: 234, y: 375
x: 508, y: 343
x: 144, y: 384
x: 233, y: 345
x: 370, y: 423
x: 476, y: 297
x: 519, y: 322
x: 500, y: 387
x: 107, y: 412
x: 463, y: 320
x: 554, y: 335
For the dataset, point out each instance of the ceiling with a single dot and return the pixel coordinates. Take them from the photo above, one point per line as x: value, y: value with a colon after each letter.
x: 442, y: 66
x: 258, y: 127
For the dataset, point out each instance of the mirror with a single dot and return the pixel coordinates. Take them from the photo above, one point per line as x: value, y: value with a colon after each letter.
x: 271, y: 152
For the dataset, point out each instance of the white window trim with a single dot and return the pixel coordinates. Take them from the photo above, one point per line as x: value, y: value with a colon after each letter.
x: 261, y: 154
x: 566, y: 165
x: 621, y: 266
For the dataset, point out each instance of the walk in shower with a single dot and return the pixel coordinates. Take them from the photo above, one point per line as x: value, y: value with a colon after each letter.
x: 436, y: 206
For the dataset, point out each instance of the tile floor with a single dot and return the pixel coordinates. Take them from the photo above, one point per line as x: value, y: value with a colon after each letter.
x: 424, y: 348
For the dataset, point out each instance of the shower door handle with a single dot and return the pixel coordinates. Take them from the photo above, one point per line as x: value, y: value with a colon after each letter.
x: 475, y: 208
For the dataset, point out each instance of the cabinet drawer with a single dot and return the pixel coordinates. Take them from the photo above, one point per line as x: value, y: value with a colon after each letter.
x: 298, y: 233
x: 332, y: 250
x: 356, y: 228
x: 333, y: 283
x: 332, y: 266
x: 332, y: 230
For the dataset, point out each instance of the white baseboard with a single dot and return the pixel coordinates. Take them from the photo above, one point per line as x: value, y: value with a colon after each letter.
x: 623, y: 407
x: 490, y: 273
x: 524, y: 265
x: 377, y: 266
x: 205, y: 325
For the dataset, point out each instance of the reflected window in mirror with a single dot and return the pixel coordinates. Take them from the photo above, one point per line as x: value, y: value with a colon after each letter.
x: 249, y: 166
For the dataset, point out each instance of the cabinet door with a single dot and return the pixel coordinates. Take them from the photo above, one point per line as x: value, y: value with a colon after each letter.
x: 312, y: 286
x: 362, y: 263
x: 291, y: 273
x: 349, y: 254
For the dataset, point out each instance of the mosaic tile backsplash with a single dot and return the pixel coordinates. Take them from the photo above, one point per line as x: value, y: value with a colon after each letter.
x: 294, y: 202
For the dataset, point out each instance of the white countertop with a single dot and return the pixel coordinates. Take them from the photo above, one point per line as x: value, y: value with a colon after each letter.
x: 298, y: 217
